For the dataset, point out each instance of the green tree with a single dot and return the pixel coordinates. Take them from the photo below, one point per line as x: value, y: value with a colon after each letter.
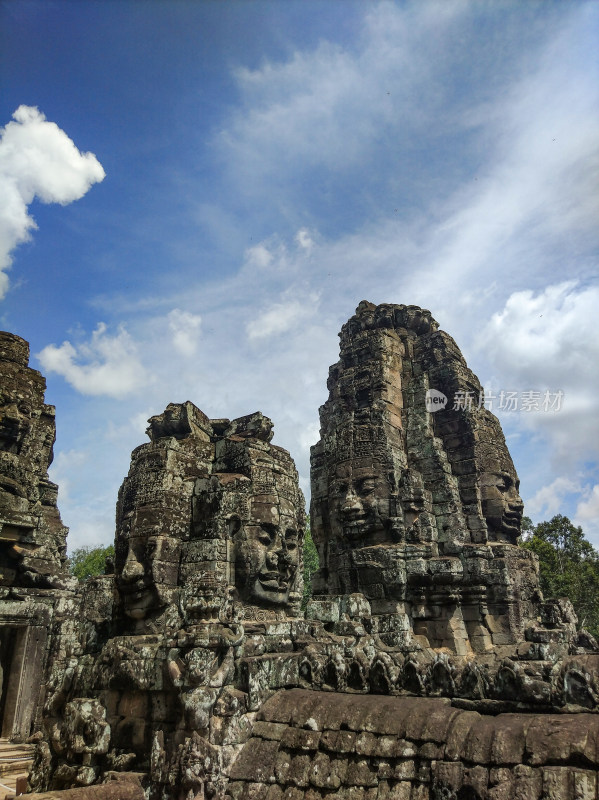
x: 311, y: 564
x: 569, y: 566
x: 85, y: 562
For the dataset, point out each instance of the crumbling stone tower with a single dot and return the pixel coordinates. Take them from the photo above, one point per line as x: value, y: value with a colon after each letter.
x: 417, y: 508
x: 32, y: 538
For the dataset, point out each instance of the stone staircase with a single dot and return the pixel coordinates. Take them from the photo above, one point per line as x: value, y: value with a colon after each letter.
x: 15, y: 763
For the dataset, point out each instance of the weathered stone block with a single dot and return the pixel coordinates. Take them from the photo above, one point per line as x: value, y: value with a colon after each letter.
x: 361, y: 773
x: 405, y: 770
x: 299, y: 770
x: 274, y: 792
x: 366, y: 744
x: 458, y: 734
x: 269, y: 730
x: 552, y: 738
x: 328, y: 773
x: 338, y: 741
x: 256, y: 761
x: 556, y: 783
x: 447, y: 775
x: 300, y: 739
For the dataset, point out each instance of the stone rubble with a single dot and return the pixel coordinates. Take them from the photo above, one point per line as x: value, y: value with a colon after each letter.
x: 427, y: 664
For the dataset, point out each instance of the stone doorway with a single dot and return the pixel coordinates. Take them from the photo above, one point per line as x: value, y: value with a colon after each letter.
x: 7, y: 637
x: 21, y: 660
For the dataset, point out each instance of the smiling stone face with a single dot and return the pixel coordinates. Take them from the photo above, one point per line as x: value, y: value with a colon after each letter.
x: 32, y: 537
x: 267, y: 554
x: 153, y: 516
x: 243, y: 559
x: 501, y: 504
x: 360, y: 502
x: 147, y: 565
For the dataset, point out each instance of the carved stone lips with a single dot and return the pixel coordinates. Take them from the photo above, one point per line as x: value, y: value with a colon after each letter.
x: 273, y: 580
x: 134, y: 590
x: 512, y: 518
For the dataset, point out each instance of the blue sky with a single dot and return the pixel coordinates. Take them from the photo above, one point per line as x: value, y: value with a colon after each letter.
x: 216, y: 185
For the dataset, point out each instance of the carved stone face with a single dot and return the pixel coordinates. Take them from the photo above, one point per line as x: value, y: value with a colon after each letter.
x: 18, y: 407
x: 15, y: 421
x: 146, y: 568
x: 502, y: 506
x: 360, y: 502
x: 267, y: 554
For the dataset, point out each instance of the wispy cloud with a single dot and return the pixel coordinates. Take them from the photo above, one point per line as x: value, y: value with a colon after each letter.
x: 106, y: 365
x: 185, y: 329
x: 587, y: 514
x: 37, y: 159
x: 548, y: 341
x: 548, y: 500
x: 277, y: 318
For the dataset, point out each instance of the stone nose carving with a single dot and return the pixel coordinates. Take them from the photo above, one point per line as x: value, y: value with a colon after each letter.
x: 351, y: 503
x: 277, y: 554
x: 132, y: 570
x: 516, y: 503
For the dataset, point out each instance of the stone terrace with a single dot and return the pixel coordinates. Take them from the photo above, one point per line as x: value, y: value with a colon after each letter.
x: 312, y: 744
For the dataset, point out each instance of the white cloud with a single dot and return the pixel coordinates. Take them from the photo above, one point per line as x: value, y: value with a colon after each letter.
x: 258, y: 256
x: 112, y: 367
x: 547, y: 337
x: 269, y: 258
x: 548, y: 341
x: 587, y: 515
x: 332, y: 105
x: 304, y: 239
x: 37, y: 159
x: 185, y: 329
x: 65, y: 463
x: 281, y: 317
x: 548, y: 500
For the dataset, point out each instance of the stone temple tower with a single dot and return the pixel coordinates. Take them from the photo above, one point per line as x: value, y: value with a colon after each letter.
x: 415, y: 498
x: 32, y: 538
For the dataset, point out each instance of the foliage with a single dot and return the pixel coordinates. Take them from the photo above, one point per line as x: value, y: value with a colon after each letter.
x: 85, y: 562
x: 310, y: 565
x: 569, y: 566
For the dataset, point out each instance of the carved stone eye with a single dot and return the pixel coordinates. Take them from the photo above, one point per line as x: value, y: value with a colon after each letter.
x: 151, y: 548
x: 367, y: 486
x: 267, y: 533
x: 291, y: 539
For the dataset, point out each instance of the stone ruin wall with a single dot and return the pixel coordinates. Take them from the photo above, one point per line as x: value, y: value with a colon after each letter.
x: 428, y: 665
x: 33, y: 580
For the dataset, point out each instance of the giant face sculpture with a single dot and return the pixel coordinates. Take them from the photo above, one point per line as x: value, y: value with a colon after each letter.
x: 501, y: 504
x: 15, y: 423
x: 146, y: 565
x: 360, y: 502
x: 267, y: 553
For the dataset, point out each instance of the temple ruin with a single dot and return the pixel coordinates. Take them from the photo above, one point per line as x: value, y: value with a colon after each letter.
x: 426, y: 665
x: 33, y: 579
